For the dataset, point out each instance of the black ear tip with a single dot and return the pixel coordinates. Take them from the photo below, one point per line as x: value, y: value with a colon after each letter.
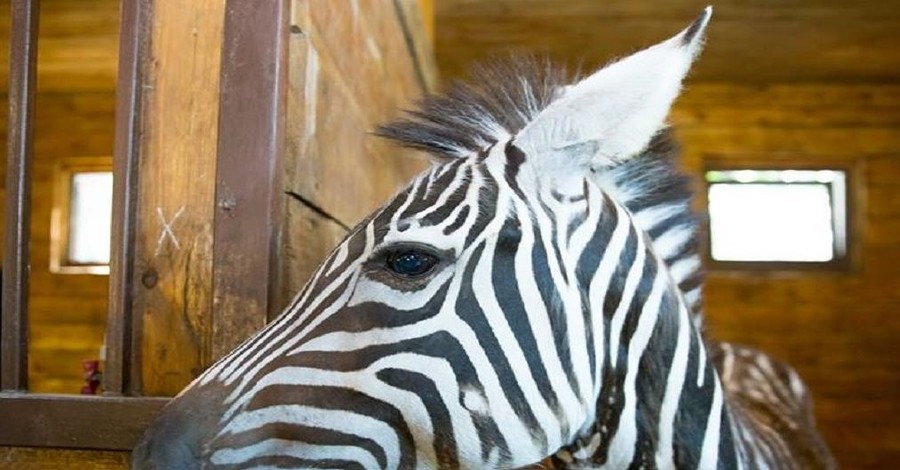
x: 697, y: 27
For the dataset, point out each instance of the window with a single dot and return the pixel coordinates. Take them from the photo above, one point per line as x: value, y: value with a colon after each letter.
x: 791, y: 217
x: 81, y: 216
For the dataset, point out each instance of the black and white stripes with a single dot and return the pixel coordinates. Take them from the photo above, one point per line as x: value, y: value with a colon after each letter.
x: 544, y: 308
x: 543, y: 324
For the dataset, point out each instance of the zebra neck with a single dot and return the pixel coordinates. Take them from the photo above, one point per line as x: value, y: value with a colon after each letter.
x: 659, y: 196
x: 694, y: 430
x: 660, y: 403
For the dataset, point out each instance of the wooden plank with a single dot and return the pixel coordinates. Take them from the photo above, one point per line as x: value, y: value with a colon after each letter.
x: 416, y: 19
x: 66, y: 124
x: 172, y: 275
x: 35, y: 458
x: 64, y: 309
x: 75, y: 422
x: 78, y: 45
x: 426, y: 9
x: 247, y: 228
x: 819, y: 323
x: 14, y: 321
x: 350, y: 68
x: 339, y: 92
x: 368, y: 55
x: 122, y: 373
x: 60, y: 370
x: 759, y: 42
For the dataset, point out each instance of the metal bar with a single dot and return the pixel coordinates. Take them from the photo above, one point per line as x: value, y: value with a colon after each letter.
x: 122, y: 374
x: 75, y: 421
x: 22, y: 82
x: 247, y: 224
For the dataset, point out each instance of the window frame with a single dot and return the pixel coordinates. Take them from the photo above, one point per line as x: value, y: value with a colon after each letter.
x: 60, y: 214
x: 840, y: 263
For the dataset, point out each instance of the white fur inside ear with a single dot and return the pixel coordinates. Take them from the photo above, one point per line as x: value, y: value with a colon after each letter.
x: 620, y: 107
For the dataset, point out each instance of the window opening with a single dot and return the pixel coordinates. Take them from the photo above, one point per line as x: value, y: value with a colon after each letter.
x: 792, y: 216
x: 81, y: 218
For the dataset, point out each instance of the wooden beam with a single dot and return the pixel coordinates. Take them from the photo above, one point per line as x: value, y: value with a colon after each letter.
x: 249, y: 171
x: 37, y: 458
x: 121, y: 371
x: 75, y: 421
x: 172, y: 278
x: 756, y: 42
x: 22, y: 82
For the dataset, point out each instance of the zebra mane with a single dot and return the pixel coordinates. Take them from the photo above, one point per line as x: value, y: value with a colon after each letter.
x: 502, y: 97
x: 497, y: 101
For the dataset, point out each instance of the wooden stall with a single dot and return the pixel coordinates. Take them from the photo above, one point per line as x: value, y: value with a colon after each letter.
x: 239, y: 135
x: 836, y: 327
x: 236, y: 129
x: 75, y: 122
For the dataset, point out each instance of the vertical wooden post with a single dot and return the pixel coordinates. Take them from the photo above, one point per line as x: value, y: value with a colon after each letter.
x: 121, y: 364
x: 22, y: 82
x: 172, y: 253
x: 249, y: 171
x: 208, y: 101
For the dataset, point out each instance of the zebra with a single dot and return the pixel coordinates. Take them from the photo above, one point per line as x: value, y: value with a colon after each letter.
x: 530, y: 300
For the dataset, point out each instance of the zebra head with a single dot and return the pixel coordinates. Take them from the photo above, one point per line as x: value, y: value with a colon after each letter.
x: 467, y: 322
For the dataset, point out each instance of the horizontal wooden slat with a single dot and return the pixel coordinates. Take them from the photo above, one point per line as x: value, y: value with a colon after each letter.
x: 59, y: 370
x: 704, y: 107
x: 78, y: 45
x: 32, y: 458
x: 755, y: 42
x: 75, y: 422
x: 838, y: 329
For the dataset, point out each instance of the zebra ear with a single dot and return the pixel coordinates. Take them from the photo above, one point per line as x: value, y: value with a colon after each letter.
x: 612, y: 114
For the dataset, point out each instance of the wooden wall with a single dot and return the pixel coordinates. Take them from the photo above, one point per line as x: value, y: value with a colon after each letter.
x: 75, y: 107
x: 351, y: 69
x: 805, y: 82
x: 352, y: 64
x: 839, y: 329
x: 345, y: 90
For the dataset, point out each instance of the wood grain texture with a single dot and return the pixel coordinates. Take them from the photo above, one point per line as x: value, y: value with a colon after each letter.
x: 350, y: 69
x: 249, y: 171
x: 34, y: 458
x: 173, y: 252
x: 17, y: 214
x: 78, y: 49
x: 838, y: 329
x: 67, y: 125
x: 77, y: 421
x: 759, y: 42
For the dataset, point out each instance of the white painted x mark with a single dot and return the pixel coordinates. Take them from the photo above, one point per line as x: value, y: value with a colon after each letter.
x: 167, y: 232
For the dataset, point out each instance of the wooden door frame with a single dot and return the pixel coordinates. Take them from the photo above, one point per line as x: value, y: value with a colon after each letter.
x: 250, y: 131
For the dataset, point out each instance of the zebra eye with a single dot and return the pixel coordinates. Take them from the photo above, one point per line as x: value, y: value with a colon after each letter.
x: 411, y: 263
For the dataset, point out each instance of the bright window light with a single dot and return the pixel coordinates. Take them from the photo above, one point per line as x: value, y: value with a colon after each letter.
x: 777, y: 215
x: 90, y: 217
